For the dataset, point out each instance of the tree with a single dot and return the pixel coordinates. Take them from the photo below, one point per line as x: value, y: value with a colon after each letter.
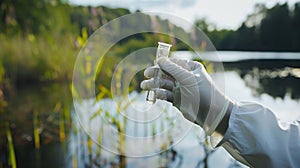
x: 203, y: 25
x: 254, y: 19
x: 296, y: 28
x: 247, y: 38
x: 275, y: 29
x: 28, y: 16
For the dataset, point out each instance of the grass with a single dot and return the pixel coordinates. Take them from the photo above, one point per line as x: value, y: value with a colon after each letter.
x: 11, y: 152
x: 36, y: 133
x: 37, y: 58
x: 62, y: 134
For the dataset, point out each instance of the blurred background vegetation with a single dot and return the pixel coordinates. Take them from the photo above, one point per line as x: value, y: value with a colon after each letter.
x: 39, y: 41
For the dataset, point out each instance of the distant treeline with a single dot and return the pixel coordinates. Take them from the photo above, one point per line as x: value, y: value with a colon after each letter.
x: 40, y: 17
x: 267, y: 29
x: 274, y: 29
x: 40, y: 38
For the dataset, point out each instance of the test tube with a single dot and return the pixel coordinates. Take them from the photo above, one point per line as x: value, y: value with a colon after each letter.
x: 163, y: 50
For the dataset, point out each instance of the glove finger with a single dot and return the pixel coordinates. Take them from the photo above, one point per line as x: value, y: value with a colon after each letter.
x: 164, y: 83
x: 176, y: 71
x: 183, y: 63
x: 187, y: 64
x: 150, y: 71
x: 163, y: 94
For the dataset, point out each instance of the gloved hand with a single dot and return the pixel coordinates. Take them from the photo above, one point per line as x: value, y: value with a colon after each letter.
x: 189, y: 87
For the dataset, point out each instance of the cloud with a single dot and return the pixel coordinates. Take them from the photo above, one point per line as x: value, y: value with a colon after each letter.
x: 187, y: 3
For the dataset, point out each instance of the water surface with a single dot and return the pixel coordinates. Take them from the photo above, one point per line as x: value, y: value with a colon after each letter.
x: 271, y: 79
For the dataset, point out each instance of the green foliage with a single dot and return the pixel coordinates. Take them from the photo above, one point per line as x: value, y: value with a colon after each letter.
x: 11, y: 151
x: 36, y: 58
x: 39, y: 39
x: 2, y: 71
x: 204, y: 25
x: 32, y: 16
x: 94, y: 17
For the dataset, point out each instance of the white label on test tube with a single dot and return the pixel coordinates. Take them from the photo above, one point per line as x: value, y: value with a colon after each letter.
x: 163, y: 50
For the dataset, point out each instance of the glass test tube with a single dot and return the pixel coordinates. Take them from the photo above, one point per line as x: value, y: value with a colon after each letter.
x: 163, y: 50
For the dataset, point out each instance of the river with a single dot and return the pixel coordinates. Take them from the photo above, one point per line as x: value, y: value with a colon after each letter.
x: 269, y: 78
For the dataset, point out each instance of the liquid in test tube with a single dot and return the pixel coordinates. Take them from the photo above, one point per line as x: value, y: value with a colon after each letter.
x: 163, y: 50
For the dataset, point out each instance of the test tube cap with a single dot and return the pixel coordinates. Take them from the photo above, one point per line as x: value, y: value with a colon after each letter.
x: 165, y: 44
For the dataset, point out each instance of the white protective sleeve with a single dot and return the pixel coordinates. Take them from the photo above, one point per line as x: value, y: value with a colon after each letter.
x: 257, y: 138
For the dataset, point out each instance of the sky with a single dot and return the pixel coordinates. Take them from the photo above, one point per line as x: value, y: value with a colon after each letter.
x: 228, y: 14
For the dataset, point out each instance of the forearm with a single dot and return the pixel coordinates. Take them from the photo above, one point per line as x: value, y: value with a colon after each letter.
x: 256, y: 137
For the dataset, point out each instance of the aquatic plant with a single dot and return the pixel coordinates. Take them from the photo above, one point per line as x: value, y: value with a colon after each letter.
x: 11, y: 149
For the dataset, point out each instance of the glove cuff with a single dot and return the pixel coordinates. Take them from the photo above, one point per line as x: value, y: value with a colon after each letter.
x: 210, y: 124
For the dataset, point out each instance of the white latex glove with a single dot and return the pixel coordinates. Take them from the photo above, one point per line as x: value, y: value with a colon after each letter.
x: 189, y: 87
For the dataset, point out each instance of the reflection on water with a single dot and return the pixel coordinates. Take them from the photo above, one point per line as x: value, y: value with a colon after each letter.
x: 48, y: 112
x: 274, y: 77
x: 276, y: 83
x: 39, y: 118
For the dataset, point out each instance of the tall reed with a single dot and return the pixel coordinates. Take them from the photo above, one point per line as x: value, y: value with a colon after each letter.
x: 11, y: 150
x: 36, y: 133
x: 62, y: 134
